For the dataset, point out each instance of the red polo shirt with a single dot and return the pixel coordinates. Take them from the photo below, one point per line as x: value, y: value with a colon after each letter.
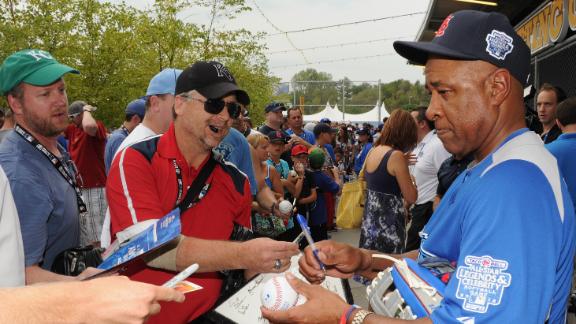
x: 139, y: 189
x: 87, y: 152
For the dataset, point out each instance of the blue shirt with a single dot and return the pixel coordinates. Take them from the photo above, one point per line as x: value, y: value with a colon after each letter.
x: 564, y: 149
x: 234, y: 148
x: 282, y: 168
x: 361, y: 157
x: 323, y: 184
x: 308, y: 136
x: 46, y: 203
x: 509, y: 225
x: 112, y: 145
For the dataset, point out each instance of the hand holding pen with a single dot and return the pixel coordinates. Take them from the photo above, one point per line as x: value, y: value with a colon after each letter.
x: 340, y: 261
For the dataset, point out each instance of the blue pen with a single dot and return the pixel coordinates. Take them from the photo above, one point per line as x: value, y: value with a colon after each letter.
x: 306, y: 231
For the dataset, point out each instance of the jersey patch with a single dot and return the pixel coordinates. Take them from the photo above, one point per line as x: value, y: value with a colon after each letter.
x: 481, y: 282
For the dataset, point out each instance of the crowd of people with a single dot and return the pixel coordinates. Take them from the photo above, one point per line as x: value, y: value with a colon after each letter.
x: 461, y: 182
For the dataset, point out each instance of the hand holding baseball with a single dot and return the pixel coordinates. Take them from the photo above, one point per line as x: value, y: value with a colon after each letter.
x: 322, y: 306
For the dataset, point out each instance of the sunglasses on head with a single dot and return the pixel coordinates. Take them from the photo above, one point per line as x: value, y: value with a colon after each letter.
x: 215, y: 106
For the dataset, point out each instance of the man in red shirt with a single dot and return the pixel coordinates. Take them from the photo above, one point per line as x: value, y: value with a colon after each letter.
x: 86, y: 143
x: 150, y: 178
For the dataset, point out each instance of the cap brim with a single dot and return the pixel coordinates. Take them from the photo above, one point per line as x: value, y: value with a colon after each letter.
x: 219, y: 90
x: 48, y: 74
x: 419, y: 52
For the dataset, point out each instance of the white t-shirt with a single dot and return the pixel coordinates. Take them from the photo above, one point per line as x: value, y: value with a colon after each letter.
x: 139, y: 133
x: 11, y: 246
x: 430, y: 154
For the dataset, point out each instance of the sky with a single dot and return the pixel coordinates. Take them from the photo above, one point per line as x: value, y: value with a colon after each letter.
x: 372, y: 41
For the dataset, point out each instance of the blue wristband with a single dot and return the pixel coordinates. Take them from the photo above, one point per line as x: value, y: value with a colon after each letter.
x: 349, y: 312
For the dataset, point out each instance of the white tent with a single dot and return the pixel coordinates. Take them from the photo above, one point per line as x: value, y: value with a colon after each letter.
x: 329, y: 112
x: 335, y: 115
x: 369, y: 116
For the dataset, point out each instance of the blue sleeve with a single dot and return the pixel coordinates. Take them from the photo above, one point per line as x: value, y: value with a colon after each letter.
x: 34, y: 207
x: 310, y: 137
x: 359, y: 162
x: 330, y: 150
x: 234, y: 148
x: 112, y: 146
x: 515, y: 259
x: 325, y: 183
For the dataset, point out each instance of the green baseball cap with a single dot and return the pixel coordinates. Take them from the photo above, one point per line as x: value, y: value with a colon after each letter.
x: 32, y: 66
x: 316, y: 159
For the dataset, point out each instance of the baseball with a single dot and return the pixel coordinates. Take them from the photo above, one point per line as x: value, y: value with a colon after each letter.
x: 277, y: 294
x: 285, y: 207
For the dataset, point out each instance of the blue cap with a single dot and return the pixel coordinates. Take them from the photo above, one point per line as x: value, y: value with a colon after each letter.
x: 325, y: 120
x: 163, y: 82
x: 137, y: 107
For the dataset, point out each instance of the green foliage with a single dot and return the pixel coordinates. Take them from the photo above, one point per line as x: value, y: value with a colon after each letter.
x: 359, y: 98
x: 118, y: 48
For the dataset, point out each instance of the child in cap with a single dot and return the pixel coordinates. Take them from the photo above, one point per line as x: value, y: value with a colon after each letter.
x: 324, y: 183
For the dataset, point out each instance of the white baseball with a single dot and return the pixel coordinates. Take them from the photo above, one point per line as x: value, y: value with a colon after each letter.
x: 277, y: 294
x: 285, y: 207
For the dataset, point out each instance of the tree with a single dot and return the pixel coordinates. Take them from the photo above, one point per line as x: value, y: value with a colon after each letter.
x: 118, y: 48
x: 320, y: 90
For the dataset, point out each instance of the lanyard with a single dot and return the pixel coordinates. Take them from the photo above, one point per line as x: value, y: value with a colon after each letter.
x: 199, y: 187
x: 56, y: 162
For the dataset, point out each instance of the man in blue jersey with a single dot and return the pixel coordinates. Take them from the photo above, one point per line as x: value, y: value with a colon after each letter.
x: 506, y: 224
x: 564, y: 148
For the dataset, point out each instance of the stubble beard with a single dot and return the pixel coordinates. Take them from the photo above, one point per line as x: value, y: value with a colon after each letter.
x: 41, y: 126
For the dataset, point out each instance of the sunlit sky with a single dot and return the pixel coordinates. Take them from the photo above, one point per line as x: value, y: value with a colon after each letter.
x: 372, y: 41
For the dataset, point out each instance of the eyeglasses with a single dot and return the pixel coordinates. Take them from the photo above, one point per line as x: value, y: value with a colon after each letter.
x: 215, y: 106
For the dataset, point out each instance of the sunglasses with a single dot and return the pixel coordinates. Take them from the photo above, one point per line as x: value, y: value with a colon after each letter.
x: 215, y: 106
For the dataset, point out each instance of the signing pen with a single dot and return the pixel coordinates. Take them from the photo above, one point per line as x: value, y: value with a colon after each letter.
x: 306, y: 231
x: 181, y: 276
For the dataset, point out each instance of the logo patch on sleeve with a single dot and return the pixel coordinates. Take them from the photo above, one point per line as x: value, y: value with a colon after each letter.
x: 481, y: 282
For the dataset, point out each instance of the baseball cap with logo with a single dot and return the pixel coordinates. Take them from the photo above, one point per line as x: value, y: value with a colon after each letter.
x: 474, y: 35
x: 32, y: 66
x: 213, y: 81
x: 278, y: 136
x: 137, y: 107
x: 164, y: 82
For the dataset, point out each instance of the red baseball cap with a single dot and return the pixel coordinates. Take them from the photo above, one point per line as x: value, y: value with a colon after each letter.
x: 299, y: 149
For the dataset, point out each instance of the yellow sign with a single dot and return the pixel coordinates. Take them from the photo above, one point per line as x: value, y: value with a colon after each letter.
x: 547, y: 25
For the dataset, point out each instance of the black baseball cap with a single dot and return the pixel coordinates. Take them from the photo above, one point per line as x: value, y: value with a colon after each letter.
x: 212, y: 79
x: 323, y: 128
x: 278, y: 136
x: 275, y: 106
x: 363, y: 131
x: 474, y: 35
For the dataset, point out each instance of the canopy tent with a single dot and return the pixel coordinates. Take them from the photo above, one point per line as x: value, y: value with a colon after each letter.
x: 369, y: 116
x: 329, y: 112
x: 335, y: 115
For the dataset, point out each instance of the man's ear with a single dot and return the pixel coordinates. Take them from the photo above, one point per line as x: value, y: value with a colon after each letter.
x: 500, y: 86
x: 15, y: 104
x: 559, y: 124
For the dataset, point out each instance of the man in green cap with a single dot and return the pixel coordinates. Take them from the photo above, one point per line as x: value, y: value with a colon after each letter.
x: 41, y: 174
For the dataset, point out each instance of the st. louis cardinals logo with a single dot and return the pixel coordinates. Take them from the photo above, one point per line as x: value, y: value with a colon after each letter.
x: 223, y: 72
x: 440, y: 31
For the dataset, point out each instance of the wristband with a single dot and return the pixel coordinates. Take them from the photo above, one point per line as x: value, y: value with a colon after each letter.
x: 346, y: 315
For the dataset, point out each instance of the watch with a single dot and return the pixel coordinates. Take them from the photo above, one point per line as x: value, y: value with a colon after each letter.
x: 360, y: 316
